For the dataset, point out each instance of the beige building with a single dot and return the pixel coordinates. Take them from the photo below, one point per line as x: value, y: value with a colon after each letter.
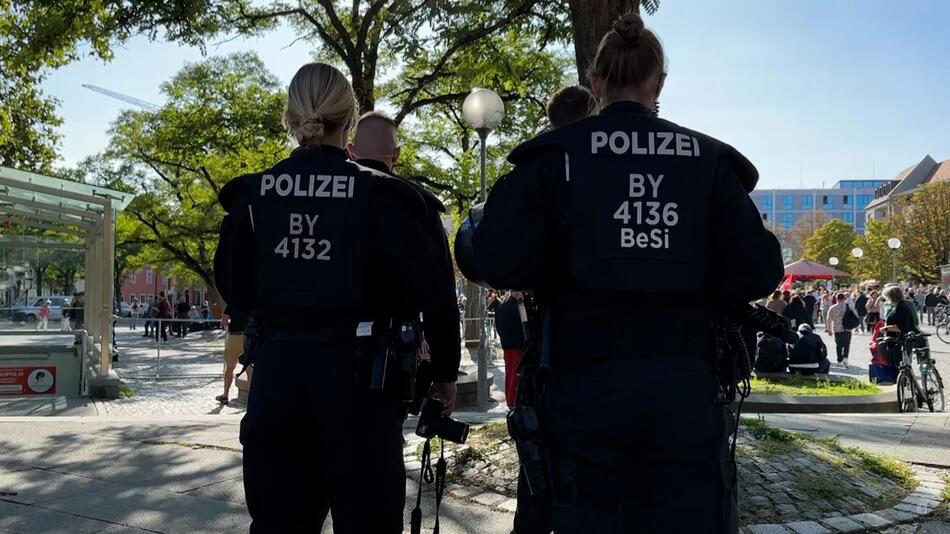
x: 925, y: 171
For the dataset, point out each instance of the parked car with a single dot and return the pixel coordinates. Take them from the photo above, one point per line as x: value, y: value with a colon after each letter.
x: 29, y: 312
x: 125, y: 309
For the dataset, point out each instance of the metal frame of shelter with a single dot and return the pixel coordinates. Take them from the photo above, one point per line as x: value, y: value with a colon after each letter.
x: 43, y: 202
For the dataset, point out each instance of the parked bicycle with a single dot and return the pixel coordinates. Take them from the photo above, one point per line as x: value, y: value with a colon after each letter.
x: 942, y: 323
x: 914, y: 392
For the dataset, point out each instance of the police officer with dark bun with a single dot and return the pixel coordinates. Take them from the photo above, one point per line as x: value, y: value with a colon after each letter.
x: 325, y: 255
x: 631, y: 230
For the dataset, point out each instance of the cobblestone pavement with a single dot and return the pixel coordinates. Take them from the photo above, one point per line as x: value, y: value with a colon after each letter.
x: 779, y: 484
x: 191, y: 371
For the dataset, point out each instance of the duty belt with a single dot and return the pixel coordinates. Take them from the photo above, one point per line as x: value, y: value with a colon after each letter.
x: 317, y: 333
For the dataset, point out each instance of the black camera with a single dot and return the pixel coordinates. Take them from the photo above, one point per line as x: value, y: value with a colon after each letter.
x: 433, y: 424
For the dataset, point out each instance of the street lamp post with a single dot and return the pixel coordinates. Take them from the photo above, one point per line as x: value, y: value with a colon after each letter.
x: 894, y: 244
x: 833, y: 261
x: 857, y: 253
x: 483, y: 110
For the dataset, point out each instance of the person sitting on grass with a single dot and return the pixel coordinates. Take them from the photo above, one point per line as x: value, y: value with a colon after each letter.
x: 810, y: 355
x: 771, y: 354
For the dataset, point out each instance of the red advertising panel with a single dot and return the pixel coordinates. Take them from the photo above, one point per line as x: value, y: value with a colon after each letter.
x: 16, y: 381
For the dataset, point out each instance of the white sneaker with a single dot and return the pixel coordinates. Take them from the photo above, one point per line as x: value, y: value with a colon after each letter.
x: 844, y: 363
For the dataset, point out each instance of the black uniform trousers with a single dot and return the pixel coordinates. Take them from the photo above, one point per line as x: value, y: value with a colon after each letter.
x: 315, y: 442
x: 638, y: 446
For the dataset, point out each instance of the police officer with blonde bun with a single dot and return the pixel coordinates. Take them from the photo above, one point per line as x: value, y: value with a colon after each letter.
x: 322, y: 253
x: 617, y: 222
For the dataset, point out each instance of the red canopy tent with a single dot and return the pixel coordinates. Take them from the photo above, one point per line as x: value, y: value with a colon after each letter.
x: 809, y: 270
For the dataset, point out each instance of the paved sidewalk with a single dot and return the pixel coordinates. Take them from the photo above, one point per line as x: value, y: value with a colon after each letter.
x: 126, y: 475
x: 921, y: 438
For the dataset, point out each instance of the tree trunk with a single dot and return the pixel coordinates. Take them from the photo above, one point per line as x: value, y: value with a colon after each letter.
x: 591, y: 19
x: 473, y: 296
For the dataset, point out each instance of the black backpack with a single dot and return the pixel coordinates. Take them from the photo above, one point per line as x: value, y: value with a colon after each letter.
x: 772, y: 355
x: 850, y: 320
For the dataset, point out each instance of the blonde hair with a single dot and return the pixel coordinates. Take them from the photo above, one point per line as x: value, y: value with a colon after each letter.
x: 319, y: 100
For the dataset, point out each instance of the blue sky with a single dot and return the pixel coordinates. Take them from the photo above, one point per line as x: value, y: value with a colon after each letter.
x: 811, y: 91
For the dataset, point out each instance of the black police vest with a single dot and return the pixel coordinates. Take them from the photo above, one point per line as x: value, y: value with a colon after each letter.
x: 311, y: 216
x: 638, y: 193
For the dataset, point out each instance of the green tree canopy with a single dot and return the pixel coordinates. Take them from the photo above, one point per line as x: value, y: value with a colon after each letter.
x: 836, y: 239
x: 922, y: 222
x: 221, y: 120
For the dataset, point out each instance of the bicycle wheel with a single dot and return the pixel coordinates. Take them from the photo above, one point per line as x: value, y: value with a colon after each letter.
x: 933, y: 388
x: 906, y: 396
x: 943, y: 331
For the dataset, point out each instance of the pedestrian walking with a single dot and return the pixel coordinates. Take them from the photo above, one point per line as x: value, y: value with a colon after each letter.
x: 565, y: 222
x: 920, y: 298
x: 234, y: 322
x: 836, y: 327
x: 182, y: 310
x: 163, y: 311
x: 318, y: 440
x: 42, y: 316
x: 511, y: 334
x: 66, y: 324
x: 861, y: 307
x: 134, y: 312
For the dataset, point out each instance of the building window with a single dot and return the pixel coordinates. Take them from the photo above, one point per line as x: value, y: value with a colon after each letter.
x: 133, y: 277
x: 846, y: 200
x: 806, y: 202
x: 787, y: 220
x: 142, y: 299
x: 825, y: 201
x: 848, y: 217
x: 148, y: 276
x: 787, y: 202
x: 767, y: 202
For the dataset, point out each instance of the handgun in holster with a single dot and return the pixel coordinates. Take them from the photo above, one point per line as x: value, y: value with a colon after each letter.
x: 524, y: 420
x: 252, y: 335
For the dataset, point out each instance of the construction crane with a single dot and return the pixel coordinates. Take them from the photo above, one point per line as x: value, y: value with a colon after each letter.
x: 125, y: 98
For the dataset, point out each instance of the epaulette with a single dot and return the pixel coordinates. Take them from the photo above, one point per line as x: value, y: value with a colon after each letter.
x: 231, y: 190
x: 406, y: 191
x: 745, y: 170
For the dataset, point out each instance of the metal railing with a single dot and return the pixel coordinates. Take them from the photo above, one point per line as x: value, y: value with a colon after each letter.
x: 166, y: 325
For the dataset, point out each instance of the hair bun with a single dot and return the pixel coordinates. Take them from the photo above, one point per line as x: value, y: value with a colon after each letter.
x: 310, y: 129
x: 629, y: 27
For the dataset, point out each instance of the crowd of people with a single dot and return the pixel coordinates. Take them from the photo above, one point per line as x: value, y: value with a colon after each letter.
x: 842, y: 312
x: 159, y: 315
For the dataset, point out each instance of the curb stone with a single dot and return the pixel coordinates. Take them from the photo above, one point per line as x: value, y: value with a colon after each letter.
x: 922, y: 502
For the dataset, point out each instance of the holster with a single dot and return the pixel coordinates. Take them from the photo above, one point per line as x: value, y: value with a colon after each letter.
x: 387, y: 363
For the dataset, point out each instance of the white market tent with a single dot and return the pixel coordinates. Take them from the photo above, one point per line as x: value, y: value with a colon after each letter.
x: 43, y: 202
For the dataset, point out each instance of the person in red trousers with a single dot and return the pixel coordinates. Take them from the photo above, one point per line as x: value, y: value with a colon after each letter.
x: 508, y: 325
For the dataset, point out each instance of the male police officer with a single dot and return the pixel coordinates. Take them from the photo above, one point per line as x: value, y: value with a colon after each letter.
x: 615, y: 221
x: 375, y: 145
x: 570, y: 104
x: 323, y: 252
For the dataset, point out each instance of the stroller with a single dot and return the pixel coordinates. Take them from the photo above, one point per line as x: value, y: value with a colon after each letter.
x: 880, y: 370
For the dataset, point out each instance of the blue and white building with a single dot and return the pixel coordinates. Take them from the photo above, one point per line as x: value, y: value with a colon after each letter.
x: 845, y: 200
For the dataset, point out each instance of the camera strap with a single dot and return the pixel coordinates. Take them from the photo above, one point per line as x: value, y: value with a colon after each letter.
x: 427, y: 476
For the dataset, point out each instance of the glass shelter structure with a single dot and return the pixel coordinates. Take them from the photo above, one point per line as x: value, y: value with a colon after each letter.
x: 36, y: 201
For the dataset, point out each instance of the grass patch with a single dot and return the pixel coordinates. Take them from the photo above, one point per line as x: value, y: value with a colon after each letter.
x: 804, y: 387
x: 819, y: 486
x: 762, y: 430
x: 125, y: 391
x: 894, y: 470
